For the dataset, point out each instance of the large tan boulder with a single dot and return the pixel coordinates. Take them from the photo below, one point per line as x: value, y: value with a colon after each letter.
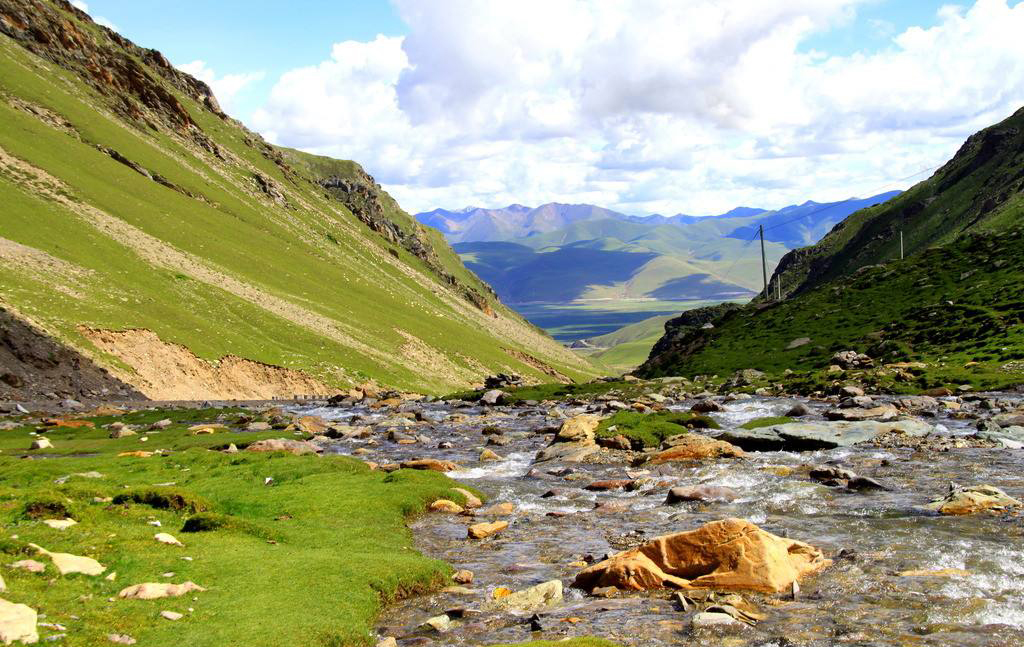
x: 314, y: 425
x: 17, y: 623
x: 574, y: 440
x: 297, y: 447
x: 156, y: 590
x: 579, y: 428
x: 484, y: 530
x: 732, y: 554
x: 974, y: 500
x: 695, y: 447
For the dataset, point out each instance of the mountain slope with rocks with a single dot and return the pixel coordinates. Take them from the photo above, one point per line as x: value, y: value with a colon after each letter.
x: 149, y: 232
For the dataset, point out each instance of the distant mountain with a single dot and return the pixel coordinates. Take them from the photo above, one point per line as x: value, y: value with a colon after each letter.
x: 473, y: 224
x: 805, y: 224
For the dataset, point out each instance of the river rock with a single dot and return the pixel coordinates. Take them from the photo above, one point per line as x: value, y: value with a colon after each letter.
x: 798, y: 410
x: 444, y: 505
x: 484, y: 530
x: 440, y: 624
x: 706, y: 493
x: 463, y: 576
x: 472, y: 501
x: 296, y: 447
x: 41, y: 443
x: 695, y: 447
x: 156, y: 590
x: 708, y: 619
x: 881, y: 412
x: 729, y: 554
x: 489, y: 455
x: 578, y: 429
x: 973, y: 500
x: 492, y: 397
x: 17, y: 623
x: 431, y: 464
x: 535, y: 598
x: 123, y: 432
x: 607, y: 486
x: 573, y: 442
x: 706, y: 406
x: 810, y: 436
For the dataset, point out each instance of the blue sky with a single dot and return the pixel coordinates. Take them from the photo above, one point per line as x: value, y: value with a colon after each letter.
x: 667, y: 106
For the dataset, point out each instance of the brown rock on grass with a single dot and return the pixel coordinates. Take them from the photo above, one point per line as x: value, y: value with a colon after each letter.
x: 472, y: 501
x: 296, y: 447
x: 731, y: 554
x: 155, y: 590
x: 484, y: 530
x: 695, y: 447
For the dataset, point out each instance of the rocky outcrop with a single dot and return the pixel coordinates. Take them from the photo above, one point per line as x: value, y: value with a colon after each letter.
x: 732, y: 554
x: 362, y: 196
x: 682, y: 335
x: 35, y: 366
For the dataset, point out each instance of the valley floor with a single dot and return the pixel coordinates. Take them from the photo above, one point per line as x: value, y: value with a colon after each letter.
x: 304, y: 547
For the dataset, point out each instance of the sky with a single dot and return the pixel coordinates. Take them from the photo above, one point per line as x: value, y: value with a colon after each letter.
x: 643, y: 106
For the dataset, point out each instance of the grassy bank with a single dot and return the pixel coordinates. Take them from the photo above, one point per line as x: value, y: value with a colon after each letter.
x: 305, y: 548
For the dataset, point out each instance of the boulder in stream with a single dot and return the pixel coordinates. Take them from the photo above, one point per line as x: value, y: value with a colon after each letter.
x: 973, y: 500
x: 731, y: 554
x: 811, y: 436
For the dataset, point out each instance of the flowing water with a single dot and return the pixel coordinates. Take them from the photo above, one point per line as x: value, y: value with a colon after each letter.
x: 872, y: 536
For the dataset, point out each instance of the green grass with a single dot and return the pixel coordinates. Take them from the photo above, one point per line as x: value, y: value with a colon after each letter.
x: 651, y: 429
x: 958, y: 309
x: 308, y: 559
x: 769, y: 421
x: 313, y: 256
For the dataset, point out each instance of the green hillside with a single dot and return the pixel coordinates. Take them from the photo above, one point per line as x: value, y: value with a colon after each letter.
x: 157, y: 235
x: 957, y: 309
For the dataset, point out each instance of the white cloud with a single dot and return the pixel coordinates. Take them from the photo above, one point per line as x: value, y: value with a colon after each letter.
x: 226, y: 87
x: 99, y: 20
x: 648, y: 106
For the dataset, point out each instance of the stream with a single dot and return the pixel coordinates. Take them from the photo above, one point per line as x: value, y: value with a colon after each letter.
x: 872, y: 536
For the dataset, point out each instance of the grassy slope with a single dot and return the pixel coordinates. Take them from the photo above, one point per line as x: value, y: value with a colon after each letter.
x: 952, y: 306
x: 313, y: 254
x: 341, y: 548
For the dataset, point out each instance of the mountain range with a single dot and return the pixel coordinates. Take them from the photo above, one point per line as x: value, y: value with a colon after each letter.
x: 161, y: 244
x: 559, y: 253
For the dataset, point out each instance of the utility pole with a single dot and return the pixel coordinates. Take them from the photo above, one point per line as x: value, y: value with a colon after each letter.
x: 764, y: 263
x: 901, y: 244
